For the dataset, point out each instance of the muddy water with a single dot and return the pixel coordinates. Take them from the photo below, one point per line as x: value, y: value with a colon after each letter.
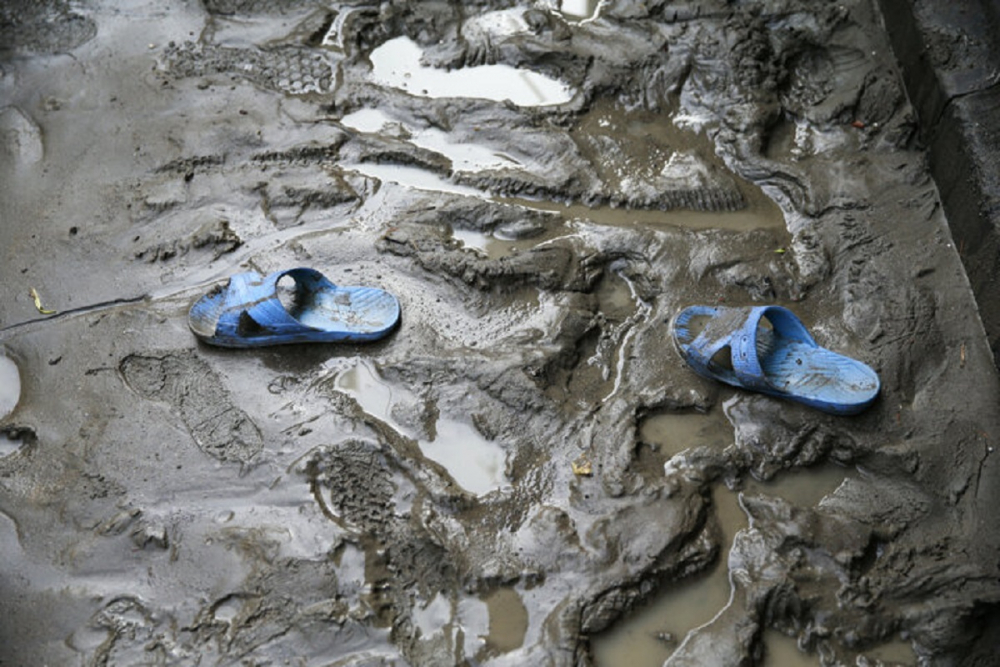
x: 465, y: 156
x: 579, y: 9
x: 781, y: 650
x: 672, y: 432
x: 413, y: 177
x: 397, y: 64
x: 649, y: 636
x: 760, y: 212
x: 508, y: 620
x: 10, y: 386
x: 474, y: 462
x: 659, y: 147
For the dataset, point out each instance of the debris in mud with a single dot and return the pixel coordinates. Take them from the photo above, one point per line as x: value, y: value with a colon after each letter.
x: 33, y: 293
x: 583, y: 467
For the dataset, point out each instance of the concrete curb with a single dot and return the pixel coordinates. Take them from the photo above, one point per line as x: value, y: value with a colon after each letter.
x: 949, y: 53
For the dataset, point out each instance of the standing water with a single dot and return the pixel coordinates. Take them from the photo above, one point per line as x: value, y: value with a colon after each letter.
x: 397, y: 64
x: 10, y: 386
x: 579, y: 9
x: 474, y: 462
x: 650, y: 636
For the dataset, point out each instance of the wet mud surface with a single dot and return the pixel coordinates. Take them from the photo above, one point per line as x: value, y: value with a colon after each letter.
x: 525, y: 472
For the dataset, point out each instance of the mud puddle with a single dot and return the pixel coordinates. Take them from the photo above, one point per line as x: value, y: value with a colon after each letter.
x: 474, y: 462
x: 484, y: 626
x: 10, y: 386
x: 781, y: 650
x: 508, y: 621
x: 579, y: 10
x: 650, y: 636
x: 10, y: 443
x: 759, y: 213
x: 661, y: 435
x: 413, y: 178
x: 464, y: 156
x: 396, y: 63
x: 664, y: 173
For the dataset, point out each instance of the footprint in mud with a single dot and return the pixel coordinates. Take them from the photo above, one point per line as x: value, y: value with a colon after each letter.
x: 289, y: 69
x: 220, y: 429
x: 354, y: 483
x: 251, y: 7
x: 359, y: 483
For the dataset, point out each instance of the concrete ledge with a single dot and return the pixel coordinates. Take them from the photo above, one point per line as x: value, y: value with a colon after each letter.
x: 949, y: 53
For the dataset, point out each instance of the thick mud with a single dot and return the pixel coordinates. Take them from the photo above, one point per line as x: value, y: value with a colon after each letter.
x: 525, y: 472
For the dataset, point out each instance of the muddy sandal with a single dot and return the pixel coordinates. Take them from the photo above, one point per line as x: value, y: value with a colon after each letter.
x: 768, y: 349
x: 247, y: 312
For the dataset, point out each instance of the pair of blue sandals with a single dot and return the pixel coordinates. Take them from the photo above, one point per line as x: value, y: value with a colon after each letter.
x: 761, y: 348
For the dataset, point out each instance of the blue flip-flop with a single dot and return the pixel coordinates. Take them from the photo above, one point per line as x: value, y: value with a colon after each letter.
x: 768, y: 349
x: 246, y: 311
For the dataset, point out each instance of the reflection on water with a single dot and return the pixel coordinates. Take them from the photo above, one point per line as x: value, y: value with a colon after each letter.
x: 396, y: 63
x: 10, y: 386
x: 483, y: 242
x: 432, y: 617
x: 412, y: 177
x: 579, y: 9
x: 764, y: 216
x: 657, y: 153
x: 474, y: 462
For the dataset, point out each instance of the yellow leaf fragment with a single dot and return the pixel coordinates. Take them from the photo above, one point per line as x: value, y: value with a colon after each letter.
x: 583, y: 467
x: 38, y: 302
